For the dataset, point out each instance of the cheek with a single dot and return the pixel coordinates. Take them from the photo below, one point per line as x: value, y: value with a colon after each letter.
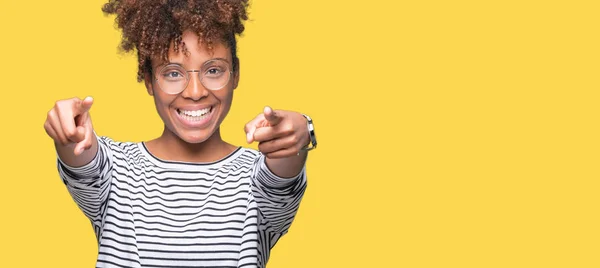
x: 162, y: 106
x: 162, y: 100
x: 226, y: 99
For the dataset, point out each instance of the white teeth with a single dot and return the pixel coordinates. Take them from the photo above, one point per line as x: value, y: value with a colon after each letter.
x: 195, y: 113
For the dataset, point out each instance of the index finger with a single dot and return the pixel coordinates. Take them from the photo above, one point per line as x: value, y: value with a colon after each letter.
x: 273, y: 117
x: 84, y: 105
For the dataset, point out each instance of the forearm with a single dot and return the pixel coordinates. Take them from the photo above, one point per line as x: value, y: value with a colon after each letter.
x: 67, y: 154
x: 278, y: 186
x: 288, y: 167
x: 88, y: 176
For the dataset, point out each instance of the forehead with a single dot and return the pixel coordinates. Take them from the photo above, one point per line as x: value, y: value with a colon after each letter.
x: 193, y: 53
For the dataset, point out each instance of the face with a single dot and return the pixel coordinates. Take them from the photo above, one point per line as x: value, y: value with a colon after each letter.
x: 196, y: 113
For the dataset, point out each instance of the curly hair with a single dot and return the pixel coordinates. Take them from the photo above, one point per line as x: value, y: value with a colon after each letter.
x: 151, y: 26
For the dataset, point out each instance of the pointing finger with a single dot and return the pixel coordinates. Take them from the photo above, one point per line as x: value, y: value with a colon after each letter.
x: 84, y: 105
x: 272, y: 117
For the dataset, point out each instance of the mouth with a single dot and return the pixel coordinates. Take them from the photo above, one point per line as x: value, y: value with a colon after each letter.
x: 198, y: 118
x: 195, y: 115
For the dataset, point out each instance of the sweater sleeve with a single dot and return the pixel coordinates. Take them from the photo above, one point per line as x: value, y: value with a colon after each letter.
x: 278, y: 198
x: 89, y: 184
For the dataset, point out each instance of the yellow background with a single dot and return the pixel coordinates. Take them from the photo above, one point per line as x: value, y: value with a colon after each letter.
x: 452, y: 133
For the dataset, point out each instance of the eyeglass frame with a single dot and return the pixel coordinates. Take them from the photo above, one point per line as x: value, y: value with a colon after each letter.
x: 187, y: 74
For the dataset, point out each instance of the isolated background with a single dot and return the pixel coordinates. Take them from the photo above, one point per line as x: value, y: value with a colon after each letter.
x: 451, y: 133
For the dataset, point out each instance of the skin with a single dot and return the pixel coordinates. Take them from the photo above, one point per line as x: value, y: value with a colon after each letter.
x: 281, y: 134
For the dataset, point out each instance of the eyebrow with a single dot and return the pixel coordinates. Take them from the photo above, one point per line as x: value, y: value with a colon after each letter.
x: 177, y: 63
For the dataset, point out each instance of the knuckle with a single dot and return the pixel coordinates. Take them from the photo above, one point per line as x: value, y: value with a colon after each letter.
x: 47, y: 126
x: 288, y: 129
x: 73, y: 101
x: 51, y: 116
x: 63, y: 142
x: 58, y: 108
x: 63, y: 105
x: 48, y: 132
x: 70, y: 133
x: 60, y: 103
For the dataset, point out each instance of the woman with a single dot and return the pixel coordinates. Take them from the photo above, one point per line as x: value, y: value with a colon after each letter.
x: 186, y: 198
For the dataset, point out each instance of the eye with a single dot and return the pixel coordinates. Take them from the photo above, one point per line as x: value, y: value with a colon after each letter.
x: 172, y: 74
x: 213, y: 71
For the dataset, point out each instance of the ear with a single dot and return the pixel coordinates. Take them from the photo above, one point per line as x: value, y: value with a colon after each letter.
x: 148, y: 82
x: 236, y: 74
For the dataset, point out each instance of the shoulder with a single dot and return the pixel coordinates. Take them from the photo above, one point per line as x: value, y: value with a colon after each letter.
x: 119, y: 147
x: 249, y: 151
x: 243, y: 156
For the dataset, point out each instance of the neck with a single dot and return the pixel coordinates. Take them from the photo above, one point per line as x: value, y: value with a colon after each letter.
x: 171, y: 147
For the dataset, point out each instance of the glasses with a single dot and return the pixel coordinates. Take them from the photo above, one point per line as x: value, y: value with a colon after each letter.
x: 214, y: 75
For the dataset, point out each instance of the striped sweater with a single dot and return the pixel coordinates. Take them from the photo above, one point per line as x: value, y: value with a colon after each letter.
x: 148, y: 212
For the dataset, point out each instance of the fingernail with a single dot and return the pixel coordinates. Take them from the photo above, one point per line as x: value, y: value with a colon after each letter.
x: 249, y: 137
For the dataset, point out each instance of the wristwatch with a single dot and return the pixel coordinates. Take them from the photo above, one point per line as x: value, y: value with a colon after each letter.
x: 311, y: 132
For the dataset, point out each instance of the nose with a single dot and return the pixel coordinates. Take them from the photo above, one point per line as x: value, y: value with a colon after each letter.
x: 194, y: 89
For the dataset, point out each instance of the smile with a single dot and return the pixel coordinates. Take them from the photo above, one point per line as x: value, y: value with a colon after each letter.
x: 195, y: 116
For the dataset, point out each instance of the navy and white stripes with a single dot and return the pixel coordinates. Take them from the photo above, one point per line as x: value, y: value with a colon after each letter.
x: 148, y: 212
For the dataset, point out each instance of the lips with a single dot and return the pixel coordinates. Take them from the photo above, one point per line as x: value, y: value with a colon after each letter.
x: 194, y: 113
x: 194, y: 117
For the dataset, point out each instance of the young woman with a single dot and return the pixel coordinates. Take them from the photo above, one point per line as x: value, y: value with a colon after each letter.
x: 187, y: 198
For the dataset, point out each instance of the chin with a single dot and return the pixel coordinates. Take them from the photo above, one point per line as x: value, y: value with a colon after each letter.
x: 194, y: 138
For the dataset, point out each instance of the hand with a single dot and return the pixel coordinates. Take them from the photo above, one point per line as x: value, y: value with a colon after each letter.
x: 69, y: 123
x: 279, y: 133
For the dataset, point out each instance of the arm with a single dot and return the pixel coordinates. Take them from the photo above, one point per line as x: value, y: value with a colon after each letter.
x: 279, y: 177
x: 287, y: 167
x: 89, y: 184
x: 67, y: 155
x: 84, y: 160
x: 278, y: 198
